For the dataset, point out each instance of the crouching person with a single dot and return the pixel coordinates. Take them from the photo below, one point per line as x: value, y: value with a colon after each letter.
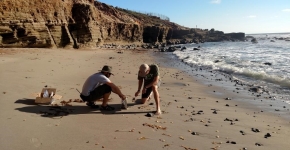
x: 99, y: 86
x: 149, y: 75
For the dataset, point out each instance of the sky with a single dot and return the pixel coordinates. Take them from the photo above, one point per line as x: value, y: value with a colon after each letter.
x: 248, y: 16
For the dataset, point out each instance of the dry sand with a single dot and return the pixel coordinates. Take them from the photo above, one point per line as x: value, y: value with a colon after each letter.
x: 188, y: 121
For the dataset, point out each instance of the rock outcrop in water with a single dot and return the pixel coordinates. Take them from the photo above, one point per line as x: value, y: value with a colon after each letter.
x: 89, y: 23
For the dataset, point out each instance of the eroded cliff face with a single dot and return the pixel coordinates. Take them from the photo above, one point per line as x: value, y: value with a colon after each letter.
x: 63, y: 23
x: 80, y: 23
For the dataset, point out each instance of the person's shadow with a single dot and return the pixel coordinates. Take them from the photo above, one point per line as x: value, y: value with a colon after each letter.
x: 61, y: 111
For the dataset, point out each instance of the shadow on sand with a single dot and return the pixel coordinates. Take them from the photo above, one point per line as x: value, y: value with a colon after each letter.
x: 61, y: 111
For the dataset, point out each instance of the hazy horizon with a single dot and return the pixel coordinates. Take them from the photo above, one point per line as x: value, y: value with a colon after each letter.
x: 270, y: 33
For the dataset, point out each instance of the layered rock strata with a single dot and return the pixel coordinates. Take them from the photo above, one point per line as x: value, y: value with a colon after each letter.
x: 85, y: 23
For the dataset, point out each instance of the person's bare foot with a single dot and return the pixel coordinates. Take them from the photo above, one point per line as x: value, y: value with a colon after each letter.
x: 158, y: 112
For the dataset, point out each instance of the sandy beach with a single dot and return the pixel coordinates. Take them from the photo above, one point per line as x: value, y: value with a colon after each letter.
x: 195, y: 115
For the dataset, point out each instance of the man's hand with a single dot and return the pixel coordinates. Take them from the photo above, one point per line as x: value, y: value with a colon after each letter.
x: 123, y: 97
x: 137, y: 93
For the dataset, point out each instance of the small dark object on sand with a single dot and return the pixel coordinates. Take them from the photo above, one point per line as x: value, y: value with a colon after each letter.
x: 227, y: 119
x: 267, y: 135
x: 243, y: 133
x: 258, y: 144
x: 255, y: 130
x: 149, y: 115
x: 232, y: 142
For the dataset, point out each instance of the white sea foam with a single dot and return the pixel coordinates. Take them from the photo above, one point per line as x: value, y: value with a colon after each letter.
x: 266, y: 61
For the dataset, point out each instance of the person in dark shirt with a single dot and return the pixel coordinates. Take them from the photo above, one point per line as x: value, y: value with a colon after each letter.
x: 149, y: 75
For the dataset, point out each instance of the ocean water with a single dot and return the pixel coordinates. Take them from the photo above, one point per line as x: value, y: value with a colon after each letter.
x: 265, y: 64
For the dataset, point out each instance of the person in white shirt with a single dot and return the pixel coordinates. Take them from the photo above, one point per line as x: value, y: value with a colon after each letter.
x: 99, y: 86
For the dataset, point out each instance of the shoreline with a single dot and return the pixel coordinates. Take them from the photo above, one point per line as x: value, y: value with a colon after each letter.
x: 234, y: 87
x: 249, y: 69
x: 194, y: 116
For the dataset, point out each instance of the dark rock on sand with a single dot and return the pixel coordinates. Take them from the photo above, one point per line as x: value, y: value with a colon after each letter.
x: 228, y: 119
x: 267, y: 135
x: 254, y: 40
x: 200, y: 112
x: 256, y: 89
x: 149, y: 115
x: 243, y: 133
x: 255, y: 130
x: 258, y: 144
x: 183, y: 48
x: 217, y: 61
x: 232, y: 142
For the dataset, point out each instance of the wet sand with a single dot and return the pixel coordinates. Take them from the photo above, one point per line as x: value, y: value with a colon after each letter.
x: 196, y: 115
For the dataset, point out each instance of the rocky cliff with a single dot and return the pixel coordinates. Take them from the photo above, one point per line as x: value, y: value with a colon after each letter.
x: 85, y: 23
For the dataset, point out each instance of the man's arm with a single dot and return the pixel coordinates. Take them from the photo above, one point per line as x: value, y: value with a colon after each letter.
x: 140, y: 82
x: 116, y: 90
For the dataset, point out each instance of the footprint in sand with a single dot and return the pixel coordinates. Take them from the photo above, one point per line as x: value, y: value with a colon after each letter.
x: 35, y: 142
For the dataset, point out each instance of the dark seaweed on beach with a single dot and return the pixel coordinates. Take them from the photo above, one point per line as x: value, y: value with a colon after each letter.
x: 56, y: 111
